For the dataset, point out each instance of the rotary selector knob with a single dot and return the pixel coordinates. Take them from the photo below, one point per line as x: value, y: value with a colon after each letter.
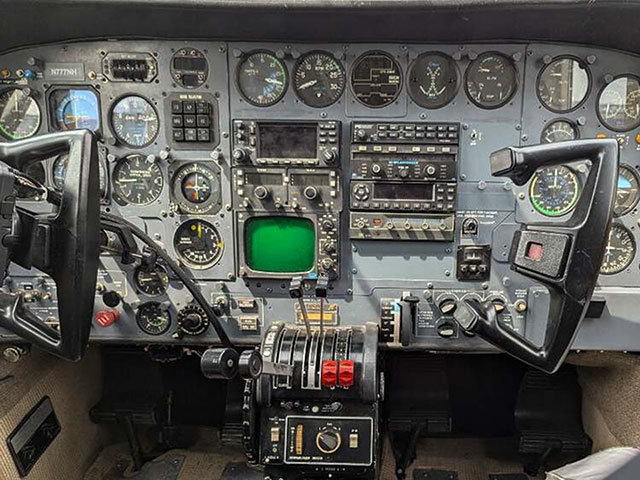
x: 404, y: 173
x: 241, y: 154
x: 376, y: 169
x: 430, y: 171
x: 447, y: 305
x: 310, y: 193
x: 261, y: 192
x: 327, y: 264
x: 361, y: 134
x: 192, y: 320
x: 328, y: 225
x: 330, y: 247
x: 361, y: 192
x: 328, y: 440
x: 329, y: 156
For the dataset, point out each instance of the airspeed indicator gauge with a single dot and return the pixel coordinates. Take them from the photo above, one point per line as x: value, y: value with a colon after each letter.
x: 619, y: 252
x: 319, y: 79
x: 433, y: 80
x: 554, y: 191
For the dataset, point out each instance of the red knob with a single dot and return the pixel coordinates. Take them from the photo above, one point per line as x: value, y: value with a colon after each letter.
x: 329, y: 375
x: 346, y: 373
x: 106, y: 318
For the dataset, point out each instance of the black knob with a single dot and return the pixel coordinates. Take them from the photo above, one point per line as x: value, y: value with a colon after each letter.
x: 261, y: 192
x: 221, y: 363
x: 192, y: 320
x: 310, y: 193
x: 330, y: 247
x: 329, y: 156
x: 376, y: 169
x: 240, y: 154
x: 328, y: 441
x: 404, y: 173
x: 111, y: 298
x: 327, y: 225
x: 361, y: 134
x: 446, y: 329
x: 447, y: 306
x: 250, y: 364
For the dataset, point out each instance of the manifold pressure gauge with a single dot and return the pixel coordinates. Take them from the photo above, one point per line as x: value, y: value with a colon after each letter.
x: 554, y: 191
x: 196, y: 189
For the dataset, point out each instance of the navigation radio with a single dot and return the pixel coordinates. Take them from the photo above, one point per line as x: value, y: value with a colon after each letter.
x: 264, y: 143
x: 403, y: 167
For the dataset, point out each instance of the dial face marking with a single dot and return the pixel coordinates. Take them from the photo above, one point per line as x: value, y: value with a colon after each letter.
x: 75, y: 109
x: 491, y: 80
x: 262, y: 79
x: 619, y: 104
x: 563, y: 85
x: 135, y: 121
x: 554, y: 191
x: 137, y: 179
x: 19, y: 114
x: 433, y: 80
x: 196, y: 189
x: 559, y: 131
x: 198, y: 244
x: 151, y: 281
x: 627, y: 192
x: 619, y: 252
x: 319, y: 79
x: 376, y: 79
x: 152, y: 318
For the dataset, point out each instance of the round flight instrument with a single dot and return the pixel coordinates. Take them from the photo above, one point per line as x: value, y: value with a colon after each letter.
x: 198, y: 244
x: 196, y: 189
x: 262, y: 79
x: 59, y: 171
x: 619, y: 104
x: 135, y: 121
x: 138, y: 179
x: 151, y: 281
x: 75, y: 109
x: 189, y: 67
x: 19, y: 114
x: 559, y: 131
x: 319, y: 79
x: 491, y: 80
x: 554, y: 191
x: 563, y: 84
x: 433, y: 80
x: 376, y: 79
x: 627, y: 192
x: 152, y: 318
x: 619, y: 252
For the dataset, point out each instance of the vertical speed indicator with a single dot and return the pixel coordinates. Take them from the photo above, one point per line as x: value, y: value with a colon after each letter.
x: 319, y: 79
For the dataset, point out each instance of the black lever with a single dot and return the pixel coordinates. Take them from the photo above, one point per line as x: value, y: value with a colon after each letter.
x: 295, y: 292
x: 408, y: 318
x: 322, y: 285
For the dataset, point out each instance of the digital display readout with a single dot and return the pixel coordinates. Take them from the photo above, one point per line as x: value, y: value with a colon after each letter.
x: 286, y: 140
x: 280, y: 244
x: 404, y: 191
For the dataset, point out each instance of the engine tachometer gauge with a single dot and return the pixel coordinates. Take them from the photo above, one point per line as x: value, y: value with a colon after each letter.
x: 563, y: 85
x: 319, y: 79
x: 262, y: 79
x: 619, y: 104
x: 198, y: 244
x: 151, y: 281
x: 433, y: 80
x: 619, y: 252
x: 554, y: 191
x: 137, y: 179
x: 19, y: 114
x: 491, y: 80
x: 627, y: 192
x: 135, y: 121
x: 559, y: 131
x: 196, y: 189
x: 152, y: 318
x: 376, y: 79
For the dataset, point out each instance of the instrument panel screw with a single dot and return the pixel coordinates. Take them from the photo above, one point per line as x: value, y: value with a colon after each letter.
x: 354, y: 270
x: 349, y: 291
x: 230, y: 276
x: 447, y: 273
x: 521, y: 196
x: 485, y: 285
x: 354, y: 248
x: 525, y: 137
x: 423, y: 116
x: 591, y: 59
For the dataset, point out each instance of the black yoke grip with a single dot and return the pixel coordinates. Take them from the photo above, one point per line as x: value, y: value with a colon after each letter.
x: 65, y: 245
x: 574, y: 250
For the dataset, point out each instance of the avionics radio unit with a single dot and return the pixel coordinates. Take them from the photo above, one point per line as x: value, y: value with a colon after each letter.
x: 299, y: 143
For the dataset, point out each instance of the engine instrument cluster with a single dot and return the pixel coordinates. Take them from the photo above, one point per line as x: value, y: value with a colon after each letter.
x: 364, y: 166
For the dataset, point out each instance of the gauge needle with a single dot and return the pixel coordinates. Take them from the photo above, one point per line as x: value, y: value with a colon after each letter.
x: 310, y: 83
x: 273, y: 80
x: 199, y: 230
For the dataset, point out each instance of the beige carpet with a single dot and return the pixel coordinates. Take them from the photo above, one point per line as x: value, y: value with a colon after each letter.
x: 73, y: 388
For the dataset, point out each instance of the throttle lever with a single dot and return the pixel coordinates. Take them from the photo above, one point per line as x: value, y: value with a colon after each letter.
x: 408, y: 317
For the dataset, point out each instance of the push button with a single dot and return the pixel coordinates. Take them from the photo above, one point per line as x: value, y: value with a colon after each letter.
x: 346, y: 373
x: 329, y: 374
x: 106, y: 318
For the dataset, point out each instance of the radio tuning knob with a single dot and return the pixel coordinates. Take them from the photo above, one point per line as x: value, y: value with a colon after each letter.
x: 407, y: 225
x: 430, y: 171
x: 361, y: 134
x: 376, y: 169
x: 326, y: 264
x: 327, y: 225
x: 261, y: 192
x: 330, y: 247
x: 404, y: 173
x: 329, y: 156
x: 310, y: 193
x: 240, y: 154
